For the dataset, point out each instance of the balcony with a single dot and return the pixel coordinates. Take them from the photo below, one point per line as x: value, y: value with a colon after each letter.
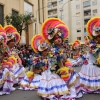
x: 87, y: 13
x: 52, y: 11
x: 53, y: 5
x: 86, y: 4
x: 52, y: 14
x: 86, y: 21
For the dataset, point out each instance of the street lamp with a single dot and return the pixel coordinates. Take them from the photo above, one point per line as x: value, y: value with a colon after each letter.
x: 63, y: 6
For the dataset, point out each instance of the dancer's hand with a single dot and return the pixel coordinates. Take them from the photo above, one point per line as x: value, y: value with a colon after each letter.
x: 71, y: 70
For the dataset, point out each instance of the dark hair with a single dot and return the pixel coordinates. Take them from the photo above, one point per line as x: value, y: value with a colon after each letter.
x: 12, y: 40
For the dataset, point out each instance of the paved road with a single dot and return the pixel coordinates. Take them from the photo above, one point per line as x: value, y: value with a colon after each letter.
x: 31, y: 95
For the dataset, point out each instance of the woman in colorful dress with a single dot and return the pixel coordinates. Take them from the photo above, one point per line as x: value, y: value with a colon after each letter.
x: 6, y: 81
x: 90, y: 71
x: 51, y: 84
x: 13, y: 38
x: 77, y: 60
x: 55, y: 33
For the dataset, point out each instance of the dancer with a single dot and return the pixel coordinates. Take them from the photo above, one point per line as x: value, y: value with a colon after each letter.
x: 76, y: 54
x: 13, y: 38
x: 55, y: 32
x: 50, y: 85
x: 90, y: 72
x: 6, y: 82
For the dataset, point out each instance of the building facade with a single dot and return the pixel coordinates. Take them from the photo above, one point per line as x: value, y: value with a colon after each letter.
x: 75, y: 14
x: 21, y: 6
x: 82, y: 12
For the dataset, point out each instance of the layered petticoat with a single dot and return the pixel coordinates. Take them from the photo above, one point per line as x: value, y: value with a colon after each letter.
x: 72, y: 84
x: 6, y: 81
x: 89, y: 77
x: 26, y: 84
x: 51, y: 84
x: 35, y: 82
x: 3, y: 75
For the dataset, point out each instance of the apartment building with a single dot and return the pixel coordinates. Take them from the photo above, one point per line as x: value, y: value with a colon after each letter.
x: 82, y: 11
x: 21, y: 6
x: 52, y: 8
x: 75, y: 14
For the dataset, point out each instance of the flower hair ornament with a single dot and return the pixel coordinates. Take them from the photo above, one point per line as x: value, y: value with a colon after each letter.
x: 53, y: 27
x: 3, y: 37
x: 93, y: 27
x: 38, y: 43
x: 12, y: 33
x: 76, y: 44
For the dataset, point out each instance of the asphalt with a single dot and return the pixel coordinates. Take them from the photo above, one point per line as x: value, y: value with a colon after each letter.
x: 32, y: 95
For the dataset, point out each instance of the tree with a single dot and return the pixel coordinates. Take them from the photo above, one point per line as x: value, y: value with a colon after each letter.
x: 20, y: 21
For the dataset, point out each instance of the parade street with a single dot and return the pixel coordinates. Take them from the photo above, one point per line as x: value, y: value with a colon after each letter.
x: 32, y: 95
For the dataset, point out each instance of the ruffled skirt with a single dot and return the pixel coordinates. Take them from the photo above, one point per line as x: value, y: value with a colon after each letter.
x: 35, y: 82
x: 51, y: 84
x: 89, y: 78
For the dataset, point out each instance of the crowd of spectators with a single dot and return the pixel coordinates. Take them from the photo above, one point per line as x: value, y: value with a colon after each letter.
x: 26, y: 54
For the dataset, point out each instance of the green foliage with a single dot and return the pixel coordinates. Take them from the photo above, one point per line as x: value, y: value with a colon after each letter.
x: 20, y: 21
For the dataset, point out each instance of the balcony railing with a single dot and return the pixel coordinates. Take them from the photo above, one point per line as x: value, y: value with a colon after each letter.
x: 87, y: 14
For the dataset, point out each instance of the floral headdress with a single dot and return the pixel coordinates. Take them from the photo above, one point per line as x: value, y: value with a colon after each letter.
x: 53, y: 27
x: 76, y: 44
x: 93, y: 27
x: 12, y: 33
x: 38, y: 43
x: 3, y: 37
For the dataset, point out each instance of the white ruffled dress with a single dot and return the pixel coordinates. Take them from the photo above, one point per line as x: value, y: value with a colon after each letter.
x: 90, y: 75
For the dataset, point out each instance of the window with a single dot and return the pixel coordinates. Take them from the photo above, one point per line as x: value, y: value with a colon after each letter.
x: 1, y: 15
x: 86, y: 20
x: 84, y: 29
x: 87, y: 12
x: 49, y: 4
x: 60, y: 1
x: 78, y: 38
x: 54, y: 4
x: 86, y: 3
x: 85, y: 33
x: 49, y: 12
x: 78, y: 30
x: 78, y: 13
x: 14, y: 12
x: 77, y: 6
x: 94, y: 11
x: 94, y: 2
x: 52, y: 12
